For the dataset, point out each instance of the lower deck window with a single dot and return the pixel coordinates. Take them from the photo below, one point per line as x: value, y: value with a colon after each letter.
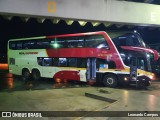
x: 74, y: 62
x: 62, y: 62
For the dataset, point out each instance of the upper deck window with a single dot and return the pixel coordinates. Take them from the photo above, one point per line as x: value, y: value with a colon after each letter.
x: 96, y: 41
x: 19, y: 45
x: 126, y: 39
x: 12, y: 45
x: 91, y: 41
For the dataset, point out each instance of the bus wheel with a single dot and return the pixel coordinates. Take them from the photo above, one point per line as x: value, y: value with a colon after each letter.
x: 110, y: 81
x: 36, y: 75
x: 25, y: 74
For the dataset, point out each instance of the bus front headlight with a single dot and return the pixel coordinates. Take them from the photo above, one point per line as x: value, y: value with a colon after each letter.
x: 152, y: 76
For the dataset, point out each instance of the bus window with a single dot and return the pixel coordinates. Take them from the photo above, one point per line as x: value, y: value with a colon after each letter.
x: 111, y: 65
x: 96, y: 41
x: 42, y: 44
x: 60, y: 43
x: 12, y: 61
x: 81, y: 63
x: 28, y: 45
x: 102, y: 63
x: 72, y: 62
x: 133, y: 61
x: 128, y: 39
x: 141, y: 63
x: 55, y: 61
x: 62, y: 62
x: 12, y: 45
x: 39, y: 60
x: 81, y: 43
x: 47, y: 62
x: 19, y: 46
x: 74, y: 42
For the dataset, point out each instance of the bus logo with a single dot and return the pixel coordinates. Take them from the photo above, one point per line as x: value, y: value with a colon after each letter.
x: 6, y: 114
x: 52, y: 7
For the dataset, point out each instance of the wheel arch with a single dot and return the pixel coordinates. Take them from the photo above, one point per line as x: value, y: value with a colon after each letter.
x: 25, y: 68
x: 36, y: 69
x: 102, y: 75
x: 110, y: 73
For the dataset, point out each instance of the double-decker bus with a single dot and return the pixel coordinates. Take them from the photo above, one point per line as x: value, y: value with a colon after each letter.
x: 94, y: 56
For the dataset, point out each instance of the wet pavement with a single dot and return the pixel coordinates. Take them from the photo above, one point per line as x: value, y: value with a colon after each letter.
x: 8, y: 82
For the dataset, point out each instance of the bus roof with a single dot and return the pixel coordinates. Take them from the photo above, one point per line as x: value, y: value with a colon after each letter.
x: 68, y: 35
x: 63, y: 35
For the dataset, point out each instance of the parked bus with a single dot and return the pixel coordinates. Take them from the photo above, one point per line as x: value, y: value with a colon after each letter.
x: 94, y: 56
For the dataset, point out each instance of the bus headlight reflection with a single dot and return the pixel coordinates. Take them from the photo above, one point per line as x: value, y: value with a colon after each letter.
x: 125, y: 79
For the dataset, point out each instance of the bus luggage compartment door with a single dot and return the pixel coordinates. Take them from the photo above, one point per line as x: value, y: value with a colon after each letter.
x: 82, y: 74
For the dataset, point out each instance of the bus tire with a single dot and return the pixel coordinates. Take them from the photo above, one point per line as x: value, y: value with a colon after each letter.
x: 25, y: 74
x: 110, y: 80
x: 36, y: 74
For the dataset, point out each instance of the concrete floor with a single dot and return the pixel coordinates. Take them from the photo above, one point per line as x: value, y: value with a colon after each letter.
x: 69, y: 99
x: 73, y: 99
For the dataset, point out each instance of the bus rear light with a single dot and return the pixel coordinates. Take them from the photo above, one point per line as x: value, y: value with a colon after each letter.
x: 58, y: 80
x: 3, y: 66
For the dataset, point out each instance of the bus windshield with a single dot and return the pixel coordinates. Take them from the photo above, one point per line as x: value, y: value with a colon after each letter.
x: 126, y: 39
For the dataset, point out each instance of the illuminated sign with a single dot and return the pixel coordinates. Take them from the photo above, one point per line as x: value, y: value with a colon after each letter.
x: 52, y: 7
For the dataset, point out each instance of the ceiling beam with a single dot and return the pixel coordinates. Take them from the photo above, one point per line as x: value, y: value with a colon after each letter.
x: 85, y: 10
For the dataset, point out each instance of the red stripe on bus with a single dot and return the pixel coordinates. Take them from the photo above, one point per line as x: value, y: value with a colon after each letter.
x: 86, y: 53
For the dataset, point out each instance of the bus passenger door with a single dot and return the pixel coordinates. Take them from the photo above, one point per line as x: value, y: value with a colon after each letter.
x: 133, y: 69
x: 91, y: 69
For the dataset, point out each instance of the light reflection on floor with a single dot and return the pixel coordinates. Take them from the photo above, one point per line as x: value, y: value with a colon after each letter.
x: 3, y: 66
x: 12, y: 83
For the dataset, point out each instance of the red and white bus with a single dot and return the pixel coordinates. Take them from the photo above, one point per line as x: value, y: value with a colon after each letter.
x: 94, y: 56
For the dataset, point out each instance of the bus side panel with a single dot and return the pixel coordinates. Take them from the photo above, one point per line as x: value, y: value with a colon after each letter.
x: 48, y: 72
x: 14, y: 63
